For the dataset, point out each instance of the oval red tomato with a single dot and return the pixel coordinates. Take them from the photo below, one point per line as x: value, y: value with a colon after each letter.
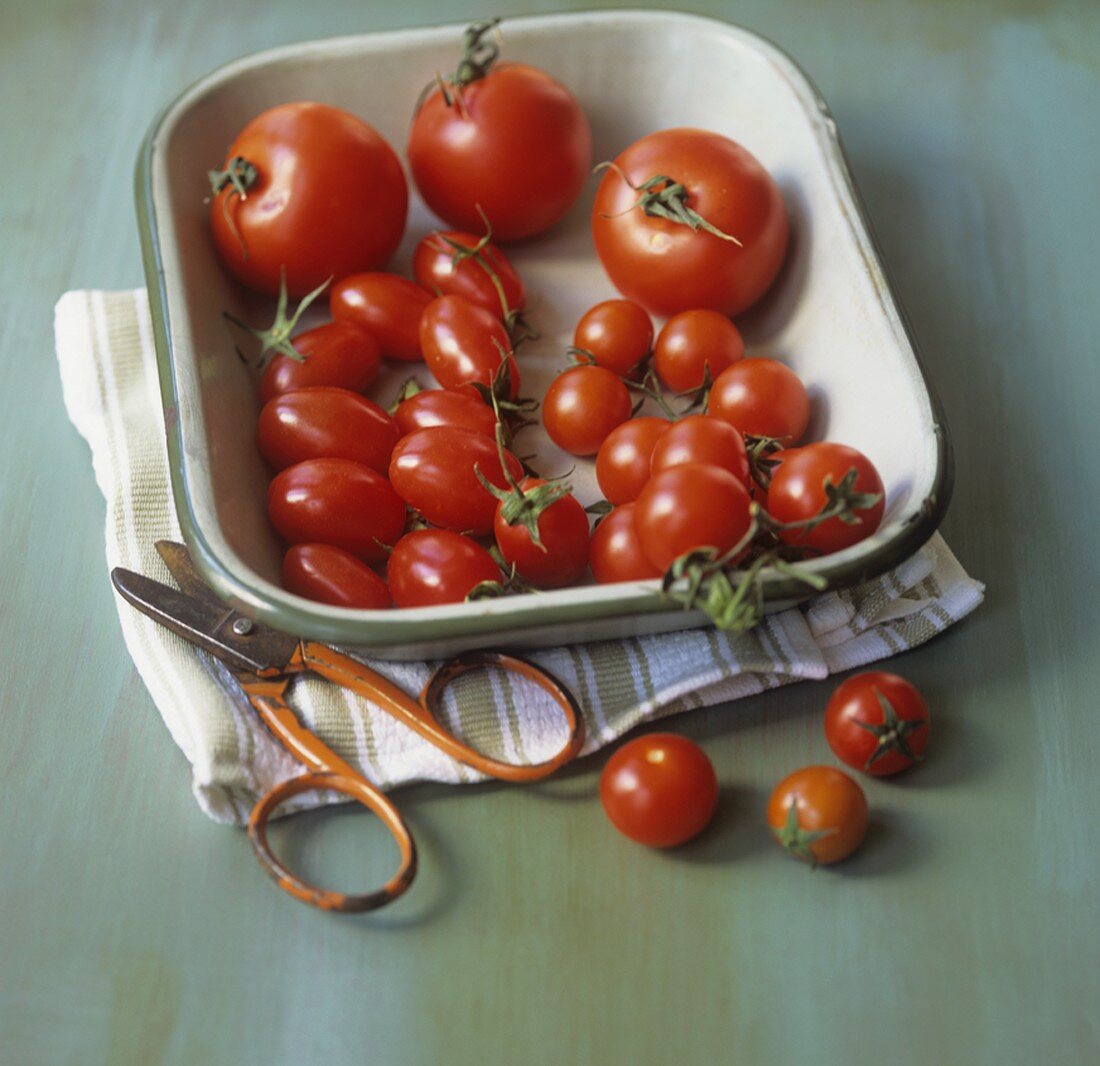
x: 562, y: 554
x: 434, y: 566
x: 702, y: 439
x: 338, y: 354
x: 623, y: 461
x: 617, y: 334
x: 387, y: 306
x: 818, y: 814
x: 761, y: 397
x: 331, y: 575
x: 693, y: 343
x: 582, y: 406
x: 615, y: 553
x: 877, y: 722
x: 464, y: 343
x: 462, y: 408
x: 488, y: 280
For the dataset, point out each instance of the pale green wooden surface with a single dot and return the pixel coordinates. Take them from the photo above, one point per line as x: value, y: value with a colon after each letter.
x: 133, y: 930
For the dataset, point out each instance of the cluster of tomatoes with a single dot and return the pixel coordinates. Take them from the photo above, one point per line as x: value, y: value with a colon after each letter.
x: 661, y: 789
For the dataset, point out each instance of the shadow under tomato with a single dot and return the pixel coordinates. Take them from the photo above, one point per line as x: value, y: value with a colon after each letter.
x: 736, y: 831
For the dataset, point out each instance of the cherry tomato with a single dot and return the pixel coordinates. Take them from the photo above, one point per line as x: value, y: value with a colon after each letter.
x: 618, y: 333
x: 462, y: 408
x: 563, y: 531
x: 762, y: 397
x: 659, y: 789
x: 337, y: 502
x: 464, y: 343
x: 511, y: 141
x: 670, y: 267
x: 337, y: 353
x: 331, y: 575
x: 797, y: 492
x: 687, y: 507
x: 434, y: 566
x: 702, y: 439
x: 877, y: 722
x: 622, y: 463
x: 325, y: 197
x: 388, y: 306
x: 433, y: 471
x: 818, y: 814
x: 435, y: 269
x: 615, y: 553
x: 691, y: 342
x: 582, y: 406
x: 324, y: 422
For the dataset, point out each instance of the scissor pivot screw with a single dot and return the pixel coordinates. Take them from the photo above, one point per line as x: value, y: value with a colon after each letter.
x: 242, y: 627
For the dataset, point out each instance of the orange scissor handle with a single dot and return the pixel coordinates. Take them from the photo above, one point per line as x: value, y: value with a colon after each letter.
x: 422, y: 716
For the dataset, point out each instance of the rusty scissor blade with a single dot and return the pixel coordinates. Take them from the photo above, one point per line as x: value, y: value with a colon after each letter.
x: 178, y: 560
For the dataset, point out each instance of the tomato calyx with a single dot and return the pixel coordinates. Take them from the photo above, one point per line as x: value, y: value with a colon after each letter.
x: 760, y: 449
x: 665, y: 197
x: 276, y: 338
x: 478, y: 55
x: 892, y: 735
x: 410, y: 387
x: 795, y: 840
x: 509, y: 583
x: 241, y: 175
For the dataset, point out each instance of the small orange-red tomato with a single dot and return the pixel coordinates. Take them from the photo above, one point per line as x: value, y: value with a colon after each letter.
x: 463, y: 344
x: 563, y: 532
x: 616, y: 333
x: 331, y: 575
x: 477, y: 279
x: 693, y: 342
x: 818, y: 814
x: 659, y: 789
x: 324, y: 422
x: 702, y: 439
x: 387, y: 306
x: 762, y: 397
x: 339, y: 353
x: 622, y: 463
x: 582, y: 406
x: 615, y: 553
x: 877, y: 722
x: 433, y: 566
x: 462, y: 408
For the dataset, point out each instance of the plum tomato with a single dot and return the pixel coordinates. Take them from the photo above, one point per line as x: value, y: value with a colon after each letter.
x: 310, y: 189
x: 433, y: 471
x: 560, y: 557
x: 799, y: 490
x: 462, y: 408
x: 622, y: 463
x: 762, y: 397
x: 877, y: 722
x: 702, y: 439
x: 324, y: 422
x: 659, y: 789
x: 461, y: 264
x: 434, y: 566
x: 617, y: 334
x: 464, y: 343
x: 688, y: 507
x: 508, y: 140
x: 331, y: 575
x: 693, y: 342
x: 387, y: 306
x: 818, y: 814
x: 338, y: 353
x: 582, y: 406
x: 668, y: 266
x: 337, y: 502
x: 615, y: 554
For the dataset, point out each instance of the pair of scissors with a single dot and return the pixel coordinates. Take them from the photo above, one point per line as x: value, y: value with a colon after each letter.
x: 264, y: 660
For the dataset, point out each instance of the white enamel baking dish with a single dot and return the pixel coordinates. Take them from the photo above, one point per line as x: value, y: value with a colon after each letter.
x: 831, y: 315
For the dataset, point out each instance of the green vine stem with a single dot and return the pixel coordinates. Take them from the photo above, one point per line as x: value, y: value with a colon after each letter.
x: 276, y: 338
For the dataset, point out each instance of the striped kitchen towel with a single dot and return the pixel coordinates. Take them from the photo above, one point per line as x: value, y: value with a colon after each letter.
x: 105, y: 351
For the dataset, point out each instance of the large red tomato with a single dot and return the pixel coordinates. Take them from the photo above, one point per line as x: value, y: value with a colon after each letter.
x: 670, y: 266
x: 310, y: 189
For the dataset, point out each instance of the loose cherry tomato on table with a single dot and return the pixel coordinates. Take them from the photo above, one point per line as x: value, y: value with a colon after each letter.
x: 826, y: 474
x: 508, y: 140
x: 462, y: 264
x: 433, y: 470
x: 331, y: 575
x: 582, y: 406
x: 324, y: 422
x: 340, y: 354
x: 688, y: 507
x: 463, y: 343
x: 337, y: 502
x: 659, y: 789
x: 818, y: 814
x: 462, y: 408
x: 669, y: 266
x: 387, y: 306
x: 617, y: 334
x: 434, y: 566
x: 762, y: 397
x: 702, y: 439
x: 310, y: 189
x: 623, y: 461
x: 560, y: 554
x: 615, y: 553
x: 877, y: 722
x: 693, y: 343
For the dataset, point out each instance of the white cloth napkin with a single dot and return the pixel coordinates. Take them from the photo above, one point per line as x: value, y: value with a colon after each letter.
x: 108, y: 374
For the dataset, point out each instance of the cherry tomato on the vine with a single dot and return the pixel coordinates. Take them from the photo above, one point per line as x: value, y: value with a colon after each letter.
x: 434, y: 566
x: 331, y: 575
x: 615, y: 553
x: 338, y: 353
x: 702, y: 439
x: 762, y: 397
x: 464, y: 343
x: 462, y: 408
x: 617, y: 333
x: 818, y: 814
x: 437, y: 266
x: 387, y: 306
x: 877, y: 722
x: 693, y: 342
x: 582, y: 406
x: 563, y: 532
x: 659, y: 789
x: 623, y: 461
